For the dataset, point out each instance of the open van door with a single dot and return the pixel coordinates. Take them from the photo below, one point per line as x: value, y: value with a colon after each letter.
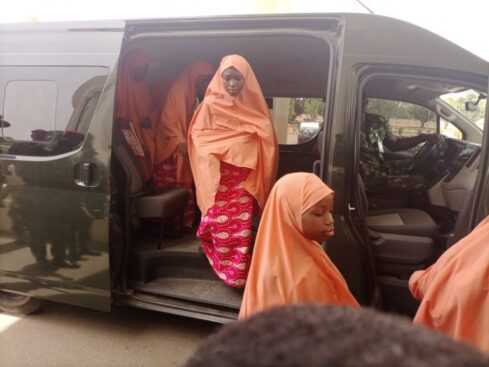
x: 57, y: 88
x: 481, y: 194
x: 406, y: 227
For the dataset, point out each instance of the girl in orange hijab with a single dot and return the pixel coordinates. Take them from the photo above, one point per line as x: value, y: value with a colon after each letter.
x: 172, y: 167
x: 454, y: 292
x: 233, y: 154
x: 134, y: 109
x: 289, y: 264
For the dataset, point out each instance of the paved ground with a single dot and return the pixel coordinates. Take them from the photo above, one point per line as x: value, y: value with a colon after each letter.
x: 69, y: 336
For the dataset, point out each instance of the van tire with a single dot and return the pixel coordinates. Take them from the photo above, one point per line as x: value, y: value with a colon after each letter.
x: 18, y: 304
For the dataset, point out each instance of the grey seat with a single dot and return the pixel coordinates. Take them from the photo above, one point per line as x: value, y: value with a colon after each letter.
x: 403, y: 221
x: 162, y: 204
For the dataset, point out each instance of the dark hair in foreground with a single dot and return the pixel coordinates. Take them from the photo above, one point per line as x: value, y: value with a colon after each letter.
x: 318, y: 335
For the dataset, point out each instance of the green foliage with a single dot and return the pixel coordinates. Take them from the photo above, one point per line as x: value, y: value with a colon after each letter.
x: 459, y: 104
x: 400, y: 110
x: 311, y: 107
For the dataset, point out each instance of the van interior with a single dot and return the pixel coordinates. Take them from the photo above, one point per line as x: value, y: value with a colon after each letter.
x: 406, y: 233
x: 168, y: 269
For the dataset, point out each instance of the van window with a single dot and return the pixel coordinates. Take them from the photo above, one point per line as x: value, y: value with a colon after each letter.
x: 405, y: 119
x: 458, y: 100
x: 48, y: 109
x: 297, y: 120
x: 450, y: 130
x: 40, y: 96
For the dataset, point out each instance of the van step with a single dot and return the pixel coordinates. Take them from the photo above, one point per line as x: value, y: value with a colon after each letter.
x: 147, y: 265
x: 188, y: 242
x: 213, y: 292
x: 177, y: 307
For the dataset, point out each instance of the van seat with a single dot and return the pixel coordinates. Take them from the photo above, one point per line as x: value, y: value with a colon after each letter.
x: 161, y: 204
x: 403, y: 221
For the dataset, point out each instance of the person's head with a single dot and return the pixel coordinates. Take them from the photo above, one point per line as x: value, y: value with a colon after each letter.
x: 315, y: 335
x: 310, y: 201
x: 137, y: 64
x: 139, y: 73
x: 317, y: 222
x: 233, y: 81
x: 40, y: 135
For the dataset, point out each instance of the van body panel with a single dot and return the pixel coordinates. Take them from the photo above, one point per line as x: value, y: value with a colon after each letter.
x: 392, y: 44
x: 398, y: 42
x: 55, y: 206
x: 356, y: 45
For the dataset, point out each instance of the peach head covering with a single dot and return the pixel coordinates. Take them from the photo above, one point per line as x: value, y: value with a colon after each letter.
x: 134, y: 105
x: 236, y: 130
x: 287, y: 267
x: 454, y: 292
x: 176, y: 115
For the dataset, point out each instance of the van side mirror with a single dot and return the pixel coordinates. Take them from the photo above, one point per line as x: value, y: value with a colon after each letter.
x: 471, y: 105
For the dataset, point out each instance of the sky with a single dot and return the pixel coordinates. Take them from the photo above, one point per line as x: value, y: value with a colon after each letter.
x: 462, y: 22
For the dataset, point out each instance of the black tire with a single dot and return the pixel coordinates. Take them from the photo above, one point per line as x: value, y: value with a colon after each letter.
x: 18, y: 304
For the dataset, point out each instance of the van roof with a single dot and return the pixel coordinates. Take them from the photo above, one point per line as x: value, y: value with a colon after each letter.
x: 365, y: 34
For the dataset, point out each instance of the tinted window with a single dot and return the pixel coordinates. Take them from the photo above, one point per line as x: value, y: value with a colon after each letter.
x: 459, y: 100
x: 48, y: 109
x: 405, y: 119
x: 40, y: 96
x: 449, y: 129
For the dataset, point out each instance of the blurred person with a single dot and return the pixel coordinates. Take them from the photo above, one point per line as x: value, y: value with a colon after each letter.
x: 134, y: 113
x: 307, y: 335
x: 172, y: 167
x: 454, y: 291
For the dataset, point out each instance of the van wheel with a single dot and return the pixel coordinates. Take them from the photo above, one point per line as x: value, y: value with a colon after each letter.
x: 18, y: 304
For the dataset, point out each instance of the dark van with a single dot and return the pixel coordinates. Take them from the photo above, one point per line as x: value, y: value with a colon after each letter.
x: 72, y: 224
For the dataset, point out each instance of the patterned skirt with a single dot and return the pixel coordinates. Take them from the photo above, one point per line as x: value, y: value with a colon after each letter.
x: 225, y: 231
x: 164, y: 176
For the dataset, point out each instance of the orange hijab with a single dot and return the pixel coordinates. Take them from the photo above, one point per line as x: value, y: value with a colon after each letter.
x: 454, y: 292
x: 176, y: 115
x: 286, y: 266
x: 236, y: 130
x: 134, y: 105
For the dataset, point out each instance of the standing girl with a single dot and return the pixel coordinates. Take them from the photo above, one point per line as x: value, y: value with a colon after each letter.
x: 233, y: 154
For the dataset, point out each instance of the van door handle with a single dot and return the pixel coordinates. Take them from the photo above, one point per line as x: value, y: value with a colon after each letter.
x: 86, y: 174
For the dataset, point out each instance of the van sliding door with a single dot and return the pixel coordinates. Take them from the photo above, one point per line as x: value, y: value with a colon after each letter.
x: 57, y: 108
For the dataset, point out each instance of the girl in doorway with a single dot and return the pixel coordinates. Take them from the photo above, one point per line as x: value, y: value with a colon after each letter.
x: 233, y: 154
x: 289, y: 264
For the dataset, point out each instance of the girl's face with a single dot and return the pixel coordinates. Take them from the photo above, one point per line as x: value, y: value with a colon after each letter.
x: 139, y: 73
x: 317, y: 222
x: 233, y: 81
